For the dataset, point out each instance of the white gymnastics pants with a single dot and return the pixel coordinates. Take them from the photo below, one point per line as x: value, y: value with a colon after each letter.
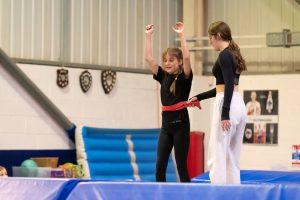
x: 225, y: 147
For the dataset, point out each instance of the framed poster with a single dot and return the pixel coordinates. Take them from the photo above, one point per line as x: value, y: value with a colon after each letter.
x: 262, y: 117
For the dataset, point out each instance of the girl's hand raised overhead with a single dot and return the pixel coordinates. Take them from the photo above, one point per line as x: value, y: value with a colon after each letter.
x: 149, y: 29
x: 178, y: 27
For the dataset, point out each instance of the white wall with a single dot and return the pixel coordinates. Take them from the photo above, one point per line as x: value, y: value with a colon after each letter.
x: 133, y: 103
x: 278, y: 156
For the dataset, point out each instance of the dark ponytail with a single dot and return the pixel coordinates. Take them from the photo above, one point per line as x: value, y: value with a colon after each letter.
x: 235, y: 50
x: 222, y: 29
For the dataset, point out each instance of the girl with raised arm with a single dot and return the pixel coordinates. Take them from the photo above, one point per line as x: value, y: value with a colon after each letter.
x: 175, y: 77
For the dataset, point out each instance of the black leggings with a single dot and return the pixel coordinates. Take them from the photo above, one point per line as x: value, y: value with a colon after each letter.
x: 177, y: 134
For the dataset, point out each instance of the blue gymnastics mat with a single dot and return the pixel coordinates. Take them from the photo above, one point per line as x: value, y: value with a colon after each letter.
x: 260, y: 176
x: 261, y: 185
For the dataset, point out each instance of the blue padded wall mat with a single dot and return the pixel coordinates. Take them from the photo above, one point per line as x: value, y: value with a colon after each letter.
x: 109, y: 159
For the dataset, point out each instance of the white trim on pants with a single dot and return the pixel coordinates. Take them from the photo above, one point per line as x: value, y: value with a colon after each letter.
x: 225, y: 147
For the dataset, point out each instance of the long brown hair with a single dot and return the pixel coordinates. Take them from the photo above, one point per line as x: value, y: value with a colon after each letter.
x: 222, y: 29
x: 177, y: 53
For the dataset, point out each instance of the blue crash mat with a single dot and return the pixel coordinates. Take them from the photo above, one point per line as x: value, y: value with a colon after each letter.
x: 260, y: 176
x: 179, y: 191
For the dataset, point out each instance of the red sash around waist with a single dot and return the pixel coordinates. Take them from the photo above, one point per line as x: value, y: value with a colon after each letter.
x: 181, y: 105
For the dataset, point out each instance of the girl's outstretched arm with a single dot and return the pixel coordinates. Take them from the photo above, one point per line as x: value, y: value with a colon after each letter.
x: 179, y: 29
x: 149, y: 49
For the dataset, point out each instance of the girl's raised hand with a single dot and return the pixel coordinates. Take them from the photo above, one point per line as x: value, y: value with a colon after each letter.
x: 178, y: 27
x: 149, y: 29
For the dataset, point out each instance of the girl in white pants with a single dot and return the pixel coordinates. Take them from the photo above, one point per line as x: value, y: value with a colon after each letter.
x: 225, y: 146
x: 229, y: 112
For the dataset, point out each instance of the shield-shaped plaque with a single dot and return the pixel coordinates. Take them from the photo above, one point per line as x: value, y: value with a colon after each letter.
x: 62, y: 79
x: 85, y: 80
x: 108, y: 80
